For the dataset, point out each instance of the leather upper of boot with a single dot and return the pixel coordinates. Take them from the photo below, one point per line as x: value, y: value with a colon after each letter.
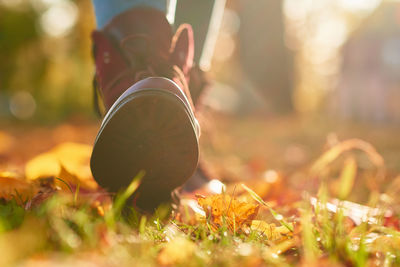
x: 137, y: 44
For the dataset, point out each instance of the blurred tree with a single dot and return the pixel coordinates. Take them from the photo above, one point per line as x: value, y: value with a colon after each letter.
x: 46, y: 55
x: 17, y: 34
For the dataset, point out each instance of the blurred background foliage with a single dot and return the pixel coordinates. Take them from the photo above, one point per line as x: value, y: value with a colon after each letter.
x: 334, y: 57
x: 45, y: 64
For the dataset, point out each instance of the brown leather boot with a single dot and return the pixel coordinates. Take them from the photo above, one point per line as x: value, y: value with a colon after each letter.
x: 143, y: 73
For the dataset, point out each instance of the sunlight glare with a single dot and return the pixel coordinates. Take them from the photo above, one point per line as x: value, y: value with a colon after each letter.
x: 331, y: 32
x: 297, y: 9
x: 359, y: 5
x: 270, y: 176
x: 59, y: 18
x: 216, y: 187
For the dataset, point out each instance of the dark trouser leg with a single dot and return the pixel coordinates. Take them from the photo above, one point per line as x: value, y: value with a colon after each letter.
x: 205, y: 17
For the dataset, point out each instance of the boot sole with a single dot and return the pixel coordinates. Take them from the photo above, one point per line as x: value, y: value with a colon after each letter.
x: 150, y: 130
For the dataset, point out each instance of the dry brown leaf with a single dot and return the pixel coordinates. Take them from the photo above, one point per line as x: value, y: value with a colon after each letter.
x: 14, y: 188
x: 222, y: 207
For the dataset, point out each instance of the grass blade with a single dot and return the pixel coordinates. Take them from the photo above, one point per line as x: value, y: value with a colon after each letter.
x: 347, y: 177
x: 122, y: 198
x: 277, y: 217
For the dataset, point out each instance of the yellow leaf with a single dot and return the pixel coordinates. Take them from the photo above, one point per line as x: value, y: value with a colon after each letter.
x: 68, y: 161
x: 75, y: 158
x: 271, y: 231
x: 72, y: 179
x: 43, y: 165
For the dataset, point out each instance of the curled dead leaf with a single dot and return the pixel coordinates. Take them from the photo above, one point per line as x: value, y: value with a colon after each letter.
x: 223, y: 208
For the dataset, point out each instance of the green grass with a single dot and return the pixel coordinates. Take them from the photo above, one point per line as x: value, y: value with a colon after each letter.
x: 74, y: 227
x: 65, y: 229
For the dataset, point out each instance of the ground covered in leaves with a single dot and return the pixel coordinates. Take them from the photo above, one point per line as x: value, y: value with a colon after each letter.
x: 285, y: 191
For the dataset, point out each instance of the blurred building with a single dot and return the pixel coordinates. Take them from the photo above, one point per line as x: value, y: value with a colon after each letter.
x: 369, y: 82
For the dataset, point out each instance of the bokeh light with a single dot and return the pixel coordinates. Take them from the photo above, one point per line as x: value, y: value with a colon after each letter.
x: 22, y: 105
x: 59, y: 18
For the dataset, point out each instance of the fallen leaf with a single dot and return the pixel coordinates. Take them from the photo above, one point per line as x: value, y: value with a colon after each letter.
x: 43, y: 165
x: 67, y: 161
x: 15, y: 188
x: 66, y: 177
x: 222, y: 207
x: 270, y: 230
x: 75, y: 158
x: 277, y: 216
